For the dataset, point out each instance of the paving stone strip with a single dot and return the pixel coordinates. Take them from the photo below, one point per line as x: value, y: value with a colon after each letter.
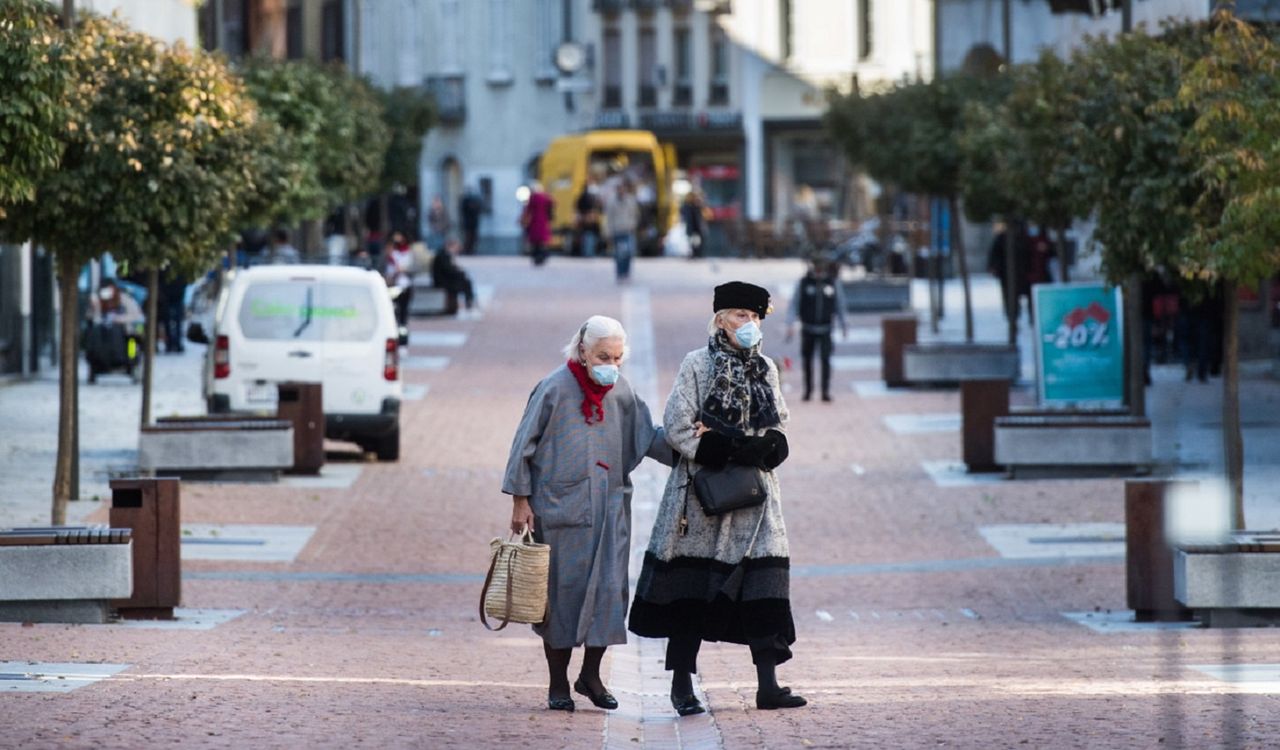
x: 637, y: 674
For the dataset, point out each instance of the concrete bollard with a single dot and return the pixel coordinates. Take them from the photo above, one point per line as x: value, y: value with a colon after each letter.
x: 898, y: 331
x: 981, y: 401
x: 1148, y: 554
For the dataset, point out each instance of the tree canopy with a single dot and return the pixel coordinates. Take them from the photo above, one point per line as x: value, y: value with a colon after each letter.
x: 35, y: 77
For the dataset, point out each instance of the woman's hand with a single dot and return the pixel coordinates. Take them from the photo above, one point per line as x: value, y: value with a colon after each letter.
x: 521, y: 514
x: 700, y: 429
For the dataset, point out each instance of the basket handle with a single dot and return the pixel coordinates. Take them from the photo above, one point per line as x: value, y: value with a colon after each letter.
x: 484, y: 593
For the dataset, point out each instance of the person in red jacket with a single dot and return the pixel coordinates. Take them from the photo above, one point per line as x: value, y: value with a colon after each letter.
x: 536, y: 220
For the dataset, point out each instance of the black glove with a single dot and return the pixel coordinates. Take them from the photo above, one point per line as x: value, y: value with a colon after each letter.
x: 714, y: 450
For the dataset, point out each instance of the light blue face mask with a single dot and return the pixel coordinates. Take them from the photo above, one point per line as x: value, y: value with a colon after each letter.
x: 748, y: 335
x: 605, y: 374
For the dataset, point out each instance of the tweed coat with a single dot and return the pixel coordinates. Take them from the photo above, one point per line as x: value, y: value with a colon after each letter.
x: 713, y: 582
x: 723, y: 538
x: 577, y: 478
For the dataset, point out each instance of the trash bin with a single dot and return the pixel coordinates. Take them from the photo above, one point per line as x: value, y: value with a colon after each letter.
x: 150, y: 508
x: 301, y: 404
x: 1148, y: 554
x: 897, y: 331
x: 981, y: 402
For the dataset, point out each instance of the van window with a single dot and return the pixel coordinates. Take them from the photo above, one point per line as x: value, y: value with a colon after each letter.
x: 306, y: 311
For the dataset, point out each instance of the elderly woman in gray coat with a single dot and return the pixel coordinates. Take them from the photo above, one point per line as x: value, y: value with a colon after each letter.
x: 723, y: 577
x: 584, y: 430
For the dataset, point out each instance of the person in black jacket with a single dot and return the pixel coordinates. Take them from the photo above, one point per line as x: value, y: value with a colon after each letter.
x: 448, y: 275
x: 817, y: 304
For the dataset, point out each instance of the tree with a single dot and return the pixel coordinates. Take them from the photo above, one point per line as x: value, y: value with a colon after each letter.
x: 1131, y: 171
x: 324, y: 136
x: 910, y: 136
x: 185, y: 120
x: 1234, y: 237
x: 35, y: 76
x: 145, y: 174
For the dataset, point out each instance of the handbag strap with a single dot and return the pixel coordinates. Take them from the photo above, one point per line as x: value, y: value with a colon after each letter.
x: 526, y: 537
x: 484, y: 592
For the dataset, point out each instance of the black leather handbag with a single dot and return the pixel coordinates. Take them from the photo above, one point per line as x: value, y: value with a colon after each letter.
x: 733, y: 487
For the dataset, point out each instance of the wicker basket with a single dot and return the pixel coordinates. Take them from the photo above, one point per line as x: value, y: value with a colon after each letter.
x: 515, y: 590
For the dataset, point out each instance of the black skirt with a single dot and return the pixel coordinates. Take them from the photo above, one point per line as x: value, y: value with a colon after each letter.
x: 747, y: 603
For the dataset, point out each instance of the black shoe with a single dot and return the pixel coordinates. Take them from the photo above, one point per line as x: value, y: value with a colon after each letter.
x: 599, y: 700
x: 687, y: 705
x: 826, y: 397
x: 780, y: 699
x: 807, y: 396
x: 560, y: 704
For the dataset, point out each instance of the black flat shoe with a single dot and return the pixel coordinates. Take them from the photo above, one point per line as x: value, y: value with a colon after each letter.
x: 560, y: 704
x: 781, y: 699
x: 687, y: 705
x: 599, y: 700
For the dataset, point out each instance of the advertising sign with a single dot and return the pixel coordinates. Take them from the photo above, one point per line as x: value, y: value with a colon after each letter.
x: 1079, y: 344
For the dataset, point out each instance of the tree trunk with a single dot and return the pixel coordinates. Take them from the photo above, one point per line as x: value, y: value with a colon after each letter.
x: 149, y: 345
x: 1011, y: 279
x: 935, y: 293
x: 1135, y: 390
x: 67, y: 383
x: 1232, y: 437
x: 957, y: 244
x: 1061, y: 250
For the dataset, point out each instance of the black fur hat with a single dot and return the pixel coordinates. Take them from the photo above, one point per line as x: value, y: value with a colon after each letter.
x: 739, y: 295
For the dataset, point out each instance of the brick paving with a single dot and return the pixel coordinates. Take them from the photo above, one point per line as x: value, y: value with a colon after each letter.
x: 371, y: 638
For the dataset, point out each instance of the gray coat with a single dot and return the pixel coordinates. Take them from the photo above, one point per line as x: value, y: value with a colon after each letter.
x: 576, y: 476
x: 725, y: 538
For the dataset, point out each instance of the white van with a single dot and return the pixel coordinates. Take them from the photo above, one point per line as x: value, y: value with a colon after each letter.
x: 329, y: 324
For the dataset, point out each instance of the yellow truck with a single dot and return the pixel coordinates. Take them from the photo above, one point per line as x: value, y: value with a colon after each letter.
x: 611, y: 155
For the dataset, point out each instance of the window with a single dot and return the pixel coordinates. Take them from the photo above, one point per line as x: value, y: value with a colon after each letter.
x: 293, y: 311
x: 544, y: 48
x: 293, y: 31
x: 612, y: 68
x: 331, y: 31
x: 682, y: 94
x: 499, y: 43
x: 648, y: 69
x: 719, y: 93
x: 867, y: 30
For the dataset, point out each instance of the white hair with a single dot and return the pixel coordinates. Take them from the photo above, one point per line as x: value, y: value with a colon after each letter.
x: 596, y: 328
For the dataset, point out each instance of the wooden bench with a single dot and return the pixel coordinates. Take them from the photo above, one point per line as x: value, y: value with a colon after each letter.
x: 221, y: 447
x: 65, y: 574
x: 1047, y: 441
x: 1230, y: 583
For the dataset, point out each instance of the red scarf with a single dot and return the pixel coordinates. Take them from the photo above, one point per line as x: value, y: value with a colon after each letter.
x: 592, y: 392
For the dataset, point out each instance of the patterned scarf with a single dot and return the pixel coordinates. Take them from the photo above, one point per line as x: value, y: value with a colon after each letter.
x: 592, y: 392
x: 740, y: 396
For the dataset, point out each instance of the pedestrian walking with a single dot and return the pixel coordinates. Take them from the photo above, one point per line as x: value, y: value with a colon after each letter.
x: 1021, y: 265
x: 587, y: 218
x: 724, y: 577
x: 695, y: 225
x: 171, y: 309
x: 399, y: 274
x: 282, y: 251
x: 470, y: 207
x: 536, y: 221
x: 583, y: 432
x: 438, y: 224
x: 817, y: 304
x: 621, y: 217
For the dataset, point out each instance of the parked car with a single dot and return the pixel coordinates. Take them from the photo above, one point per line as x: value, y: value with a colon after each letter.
x: 329, y: 324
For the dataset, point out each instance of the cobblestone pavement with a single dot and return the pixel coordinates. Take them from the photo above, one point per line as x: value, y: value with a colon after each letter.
x: 914, y: 630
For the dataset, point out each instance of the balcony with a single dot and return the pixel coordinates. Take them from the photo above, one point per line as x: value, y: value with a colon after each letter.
x: 450, y: 94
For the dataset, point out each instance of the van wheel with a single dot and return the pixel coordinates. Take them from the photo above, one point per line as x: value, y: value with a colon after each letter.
x: 388, y: 446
